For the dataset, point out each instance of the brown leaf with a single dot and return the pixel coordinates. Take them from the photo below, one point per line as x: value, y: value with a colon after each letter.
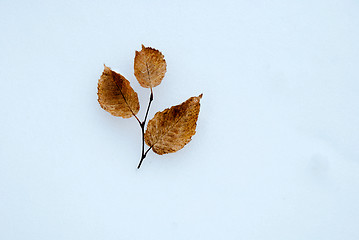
x: 170, y: 130
x: 116, y: 95
x: 150, y: 67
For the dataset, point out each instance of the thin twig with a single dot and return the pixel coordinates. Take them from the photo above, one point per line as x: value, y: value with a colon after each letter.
x: 143, y: 145
x: 143, y: 157
x: 149, y: 105
x: 138, y: 120
x: 148, y: 150
x: 142, y: 125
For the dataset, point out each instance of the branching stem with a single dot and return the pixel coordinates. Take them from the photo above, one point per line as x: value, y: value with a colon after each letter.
x: 142, y: 125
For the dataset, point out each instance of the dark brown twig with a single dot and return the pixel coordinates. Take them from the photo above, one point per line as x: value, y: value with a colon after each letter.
x: 142, y: 125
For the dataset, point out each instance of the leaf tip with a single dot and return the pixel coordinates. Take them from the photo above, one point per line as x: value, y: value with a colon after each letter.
x: 143, y: 47
x: 105, y: 67
x: 200, y: 96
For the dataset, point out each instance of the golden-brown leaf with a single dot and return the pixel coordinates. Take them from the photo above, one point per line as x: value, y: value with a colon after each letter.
x: 170, y: 130
x: 116, y: 95
x: 150, y: 67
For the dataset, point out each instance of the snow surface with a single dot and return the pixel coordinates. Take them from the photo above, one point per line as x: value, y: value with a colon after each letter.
x: 276, y: 151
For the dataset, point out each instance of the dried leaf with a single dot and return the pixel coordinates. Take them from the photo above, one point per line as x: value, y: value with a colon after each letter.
x: 116, y: 95
x: 150, y: 67
x: 171, y: 129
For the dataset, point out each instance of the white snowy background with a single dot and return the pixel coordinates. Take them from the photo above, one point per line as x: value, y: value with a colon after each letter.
x: 276, y: 151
